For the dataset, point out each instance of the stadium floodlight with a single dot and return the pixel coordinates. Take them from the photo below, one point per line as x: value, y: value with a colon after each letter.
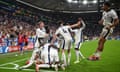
x: 85, y: 2
x: 94, y: 1
x: 75, y: 1
x: 69, y: 1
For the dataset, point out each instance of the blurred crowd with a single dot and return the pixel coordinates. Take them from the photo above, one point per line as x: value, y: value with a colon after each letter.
x: 11, y: 25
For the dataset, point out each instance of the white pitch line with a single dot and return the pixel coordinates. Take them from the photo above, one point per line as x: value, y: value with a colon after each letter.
x: 13, y: 62
x: 15, y: 65
x: 26, y: 69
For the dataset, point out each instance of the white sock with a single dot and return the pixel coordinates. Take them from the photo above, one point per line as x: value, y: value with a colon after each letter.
x: 77, y: 54
x: 80, y: 54
x: 64, y: 58
x: 44, y: 66
x: 69, y: 57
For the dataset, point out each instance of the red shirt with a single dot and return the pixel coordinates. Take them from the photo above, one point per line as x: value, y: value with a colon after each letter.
x: 25, y: 38
x: 20, y: 38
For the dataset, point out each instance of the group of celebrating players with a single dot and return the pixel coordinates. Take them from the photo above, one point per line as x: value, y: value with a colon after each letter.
x: 47, y: 54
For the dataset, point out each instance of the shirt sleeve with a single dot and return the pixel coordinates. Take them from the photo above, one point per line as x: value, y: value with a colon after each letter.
x: 114, y: 14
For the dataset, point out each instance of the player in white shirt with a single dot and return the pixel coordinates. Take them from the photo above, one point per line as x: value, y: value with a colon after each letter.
x: 41, y: 39
x: 78, y: 39
x: 109, y: 21
x: 64, y: 32
x: 41, y: 35
x: 49, y: 57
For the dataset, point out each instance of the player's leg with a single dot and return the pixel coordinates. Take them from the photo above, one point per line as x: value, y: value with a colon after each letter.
x: 41, y: 64
x: 63, y: 57
x: 69, y: 52
x: 28, y: 65
x: 78, y: 52
x: 54, y: 60
x: 34, y: 54
x: 96, y: 56
x: 38, y: 66
x: 69, y: 56
x: 32, y: 59
x: 21, y: 48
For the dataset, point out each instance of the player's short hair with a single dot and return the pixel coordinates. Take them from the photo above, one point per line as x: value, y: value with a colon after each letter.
x: 79, y: 19
x: 107, y: 4
x: 40, y: 22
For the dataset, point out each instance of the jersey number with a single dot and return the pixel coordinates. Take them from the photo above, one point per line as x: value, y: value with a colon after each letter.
x: 64, y: 31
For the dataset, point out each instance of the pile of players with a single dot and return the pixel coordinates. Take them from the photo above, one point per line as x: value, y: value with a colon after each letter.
x: 46, y: 53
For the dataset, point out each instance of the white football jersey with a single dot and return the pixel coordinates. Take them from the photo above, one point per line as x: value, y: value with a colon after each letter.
x: 108, y: 17
x: 64, y: 31
x: 40, y: 32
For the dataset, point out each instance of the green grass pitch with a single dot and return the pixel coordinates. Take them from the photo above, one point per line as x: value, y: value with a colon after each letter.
x: 110, y: 59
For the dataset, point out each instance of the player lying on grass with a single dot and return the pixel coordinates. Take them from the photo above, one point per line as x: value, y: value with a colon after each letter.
x: 49, y: 57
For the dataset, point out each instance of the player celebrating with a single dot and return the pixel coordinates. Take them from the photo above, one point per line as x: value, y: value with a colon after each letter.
x: 41, y: 35
x: 78, y: 38
x: 109, y: 21
x: 64, y: 32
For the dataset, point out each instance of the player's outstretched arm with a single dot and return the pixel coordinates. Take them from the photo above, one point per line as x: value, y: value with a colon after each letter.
x: 75, y: 25
x: 83, y: 23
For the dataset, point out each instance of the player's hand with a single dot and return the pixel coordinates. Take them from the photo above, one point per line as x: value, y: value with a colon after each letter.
x: 80, y: 19
x: 108, y: 27
x: 100, y: 22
